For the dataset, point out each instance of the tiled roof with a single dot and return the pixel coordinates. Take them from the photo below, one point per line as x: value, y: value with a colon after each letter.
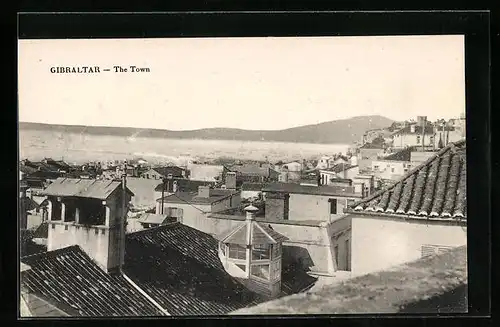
x: 312, y: 190
x: 372, y: 146
x: 260, y: 234
x: 436, y: 188
x: 85, y: 188
x: 68, y: 276
x: 178, y: 266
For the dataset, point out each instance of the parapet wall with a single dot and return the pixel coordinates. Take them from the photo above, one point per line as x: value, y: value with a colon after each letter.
x: 434, y: 284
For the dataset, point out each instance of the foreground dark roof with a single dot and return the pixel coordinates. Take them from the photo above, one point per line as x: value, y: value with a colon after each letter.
x: 178, y: 266
x: 85, y: 188
x: 68, y: 277
x: 436, y: 188
x: 309, y: 189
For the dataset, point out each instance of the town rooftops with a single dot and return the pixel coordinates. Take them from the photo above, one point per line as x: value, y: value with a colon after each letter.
x: 165, y: 171
x: 183, y: 185
x: 403, y: 155
x: 259, y: 234
x: 83, y: 188
x: 68, y: 277
x: 372, y: 146
x: 429, y: 130
x: 252, y: 170
x: 435, y: 188
x: 338, y: 168
x: 193, y: 197
x: 311, y: 190
x: 179, y: 267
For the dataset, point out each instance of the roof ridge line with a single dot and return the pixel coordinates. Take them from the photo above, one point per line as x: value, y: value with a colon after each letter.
x: 233, y: 232
x: 408, y: 174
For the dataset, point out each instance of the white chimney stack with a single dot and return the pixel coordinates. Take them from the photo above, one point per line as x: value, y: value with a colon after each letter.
x: 412, y: 128
x: 251, y: 211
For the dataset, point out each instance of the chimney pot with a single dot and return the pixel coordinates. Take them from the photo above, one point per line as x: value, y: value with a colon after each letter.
x: 250, y: 212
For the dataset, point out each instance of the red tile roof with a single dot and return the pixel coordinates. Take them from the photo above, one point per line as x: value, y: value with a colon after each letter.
x: 436, y: 188
x: 179, y: 267
x: 68, y: 276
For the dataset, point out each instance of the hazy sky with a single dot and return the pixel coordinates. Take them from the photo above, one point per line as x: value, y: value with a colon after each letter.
x: 251, y: 83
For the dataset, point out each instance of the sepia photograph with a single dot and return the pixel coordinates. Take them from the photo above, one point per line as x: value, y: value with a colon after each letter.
x: 229, y: 176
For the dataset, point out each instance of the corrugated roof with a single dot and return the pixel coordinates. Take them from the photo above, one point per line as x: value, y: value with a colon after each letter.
x: 435, y: 188
x: 69, y: 276
x: 312, y: 190
x: 84, y: 188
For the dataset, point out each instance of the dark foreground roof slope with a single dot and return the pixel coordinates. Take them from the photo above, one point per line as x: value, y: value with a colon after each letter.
x: 436, y: 188
x: 178, y: 266
x: 68, y: 277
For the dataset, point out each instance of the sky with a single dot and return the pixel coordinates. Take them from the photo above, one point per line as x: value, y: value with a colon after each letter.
x: 250, y: 83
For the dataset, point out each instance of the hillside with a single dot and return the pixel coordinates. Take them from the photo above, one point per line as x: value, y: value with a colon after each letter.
x: 343, y: 131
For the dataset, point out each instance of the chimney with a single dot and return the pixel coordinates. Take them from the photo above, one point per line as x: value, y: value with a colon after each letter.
x: 412, y: 128
x: 203, y: 191
x: 230, y: 180
x: 250, y: 212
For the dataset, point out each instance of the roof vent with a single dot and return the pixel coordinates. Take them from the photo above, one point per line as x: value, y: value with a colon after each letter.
x: 251, y: 210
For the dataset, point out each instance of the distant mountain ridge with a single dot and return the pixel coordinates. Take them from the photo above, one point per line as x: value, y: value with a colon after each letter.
x: 344, y: 131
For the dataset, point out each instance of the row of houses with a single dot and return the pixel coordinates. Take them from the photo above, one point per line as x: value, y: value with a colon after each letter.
x: 213, y: 253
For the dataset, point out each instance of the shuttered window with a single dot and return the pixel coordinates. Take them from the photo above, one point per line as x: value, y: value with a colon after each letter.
x: 428, y: 249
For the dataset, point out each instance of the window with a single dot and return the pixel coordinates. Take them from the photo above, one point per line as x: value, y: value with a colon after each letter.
x: 333, y: 206
x: 260, y: 252
x: 392, y: 170
x: 237, y: 251
x: 418, y: 139
x: 242, y: 267
x: 431, y: 139
x: 375, y: 167
x: 260, y: 271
